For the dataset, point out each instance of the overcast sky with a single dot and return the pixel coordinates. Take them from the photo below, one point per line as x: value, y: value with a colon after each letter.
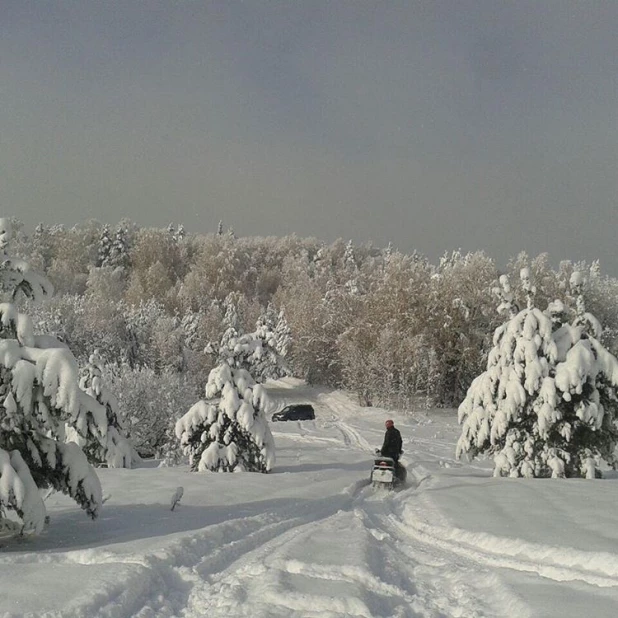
x: 434, y: 125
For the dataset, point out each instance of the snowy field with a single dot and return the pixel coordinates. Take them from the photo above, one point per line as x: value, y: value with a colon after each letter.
x: 312, y: 539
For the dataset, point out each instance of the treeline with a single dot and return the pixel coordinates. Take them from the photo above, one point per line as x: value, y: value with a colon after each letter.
x: 389, y: 326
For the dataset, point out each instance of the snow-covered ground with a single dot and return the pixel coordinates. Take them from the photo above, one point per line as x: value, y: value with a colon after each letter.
x: 312, y: 539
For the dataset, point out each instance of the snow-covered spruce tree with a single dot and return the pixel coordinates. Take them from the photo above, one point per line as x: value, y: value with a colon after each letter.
x: 267, y: 362
x: 105, y: 247
x: 228, y: 430
x: 283, y: 335
x: 547, y: 403
x: 118, y: 252
x: 116, y: 451
x: 180, y: 233
x: 39, y: 393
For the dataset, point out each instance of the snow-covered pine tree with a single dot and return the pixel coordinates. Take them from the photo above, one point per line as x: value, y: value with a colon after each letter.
x: 228, y: 430
x: 118, y: 253
x: 231, y: 318
x: 283, y: 335
x: 267, y: 321
x: 105, y: 246
x: 547, y: 403
x: 39, y: 393
x: 180, y: 233
x: 232, y: 328
x: 349, y: 260
x: 267, y: 362
x: 116, y: 451
x: 189, y: 325
x: 587, y: 378
x: 41, y: 250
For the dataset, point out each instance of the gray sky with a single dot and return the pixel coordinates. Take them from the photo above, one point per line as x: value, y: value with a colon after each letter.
x: 434, y: 125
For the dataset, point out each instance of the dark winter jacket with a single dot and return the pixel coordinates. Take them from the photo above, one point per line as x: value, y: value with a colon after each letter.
x: 392, y: 443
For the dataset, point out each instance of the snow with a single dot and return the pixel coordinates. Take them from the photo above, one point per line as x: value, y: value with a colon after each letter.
x: 312, y: 539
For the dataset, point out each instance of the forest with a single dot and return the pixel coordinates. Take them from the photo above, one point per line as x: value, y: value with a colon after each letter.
x: 391, y: 327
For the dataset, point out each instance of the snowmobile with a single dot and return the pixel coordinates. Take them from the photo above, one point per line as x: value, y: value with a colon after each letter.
x: 385, y: 473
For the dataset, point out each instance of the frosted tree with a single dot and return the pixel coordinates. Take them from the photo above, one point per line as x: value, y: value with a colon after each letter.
x: 39, y: 394
x: 180, y: 233
x: 116, y: 451
x: 118, y: 253
x: 505, y: 294
x: 255, y: 352
x: 349, y: 260
x: 228, y: 430
x: 41, y: 249
x: 231, y: 318
x: 148, y: 401
x: 283, y: 335
x: 547, y: 403
x: 105, y: 246
x: 232, y: 328
x: 190, y: 324
x: 16, y: 277
x: 456, y: 321
x: 267, y: 362
x: 141, y: 321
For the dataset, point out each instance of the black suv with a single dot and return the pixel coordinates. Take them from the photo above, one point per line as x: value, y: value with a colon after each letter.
x: 295, y: 412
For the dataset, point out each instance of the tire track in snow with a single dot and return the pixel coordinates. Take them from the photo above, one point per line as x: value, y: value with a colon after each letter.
x: 161, y: 581
x: 417, y: 561
x: 351, y: 437
x: 165, y: 580
x: 280, y: 579
x: 229, y: 579
x: 458, y: 587
x: 276, y: 578
x: 338, y: 404
x: 555, y: 563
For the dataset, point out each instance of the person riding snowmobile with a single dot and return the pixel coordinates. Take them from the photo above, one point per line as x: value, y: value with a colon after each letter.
x: 392, y: 442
